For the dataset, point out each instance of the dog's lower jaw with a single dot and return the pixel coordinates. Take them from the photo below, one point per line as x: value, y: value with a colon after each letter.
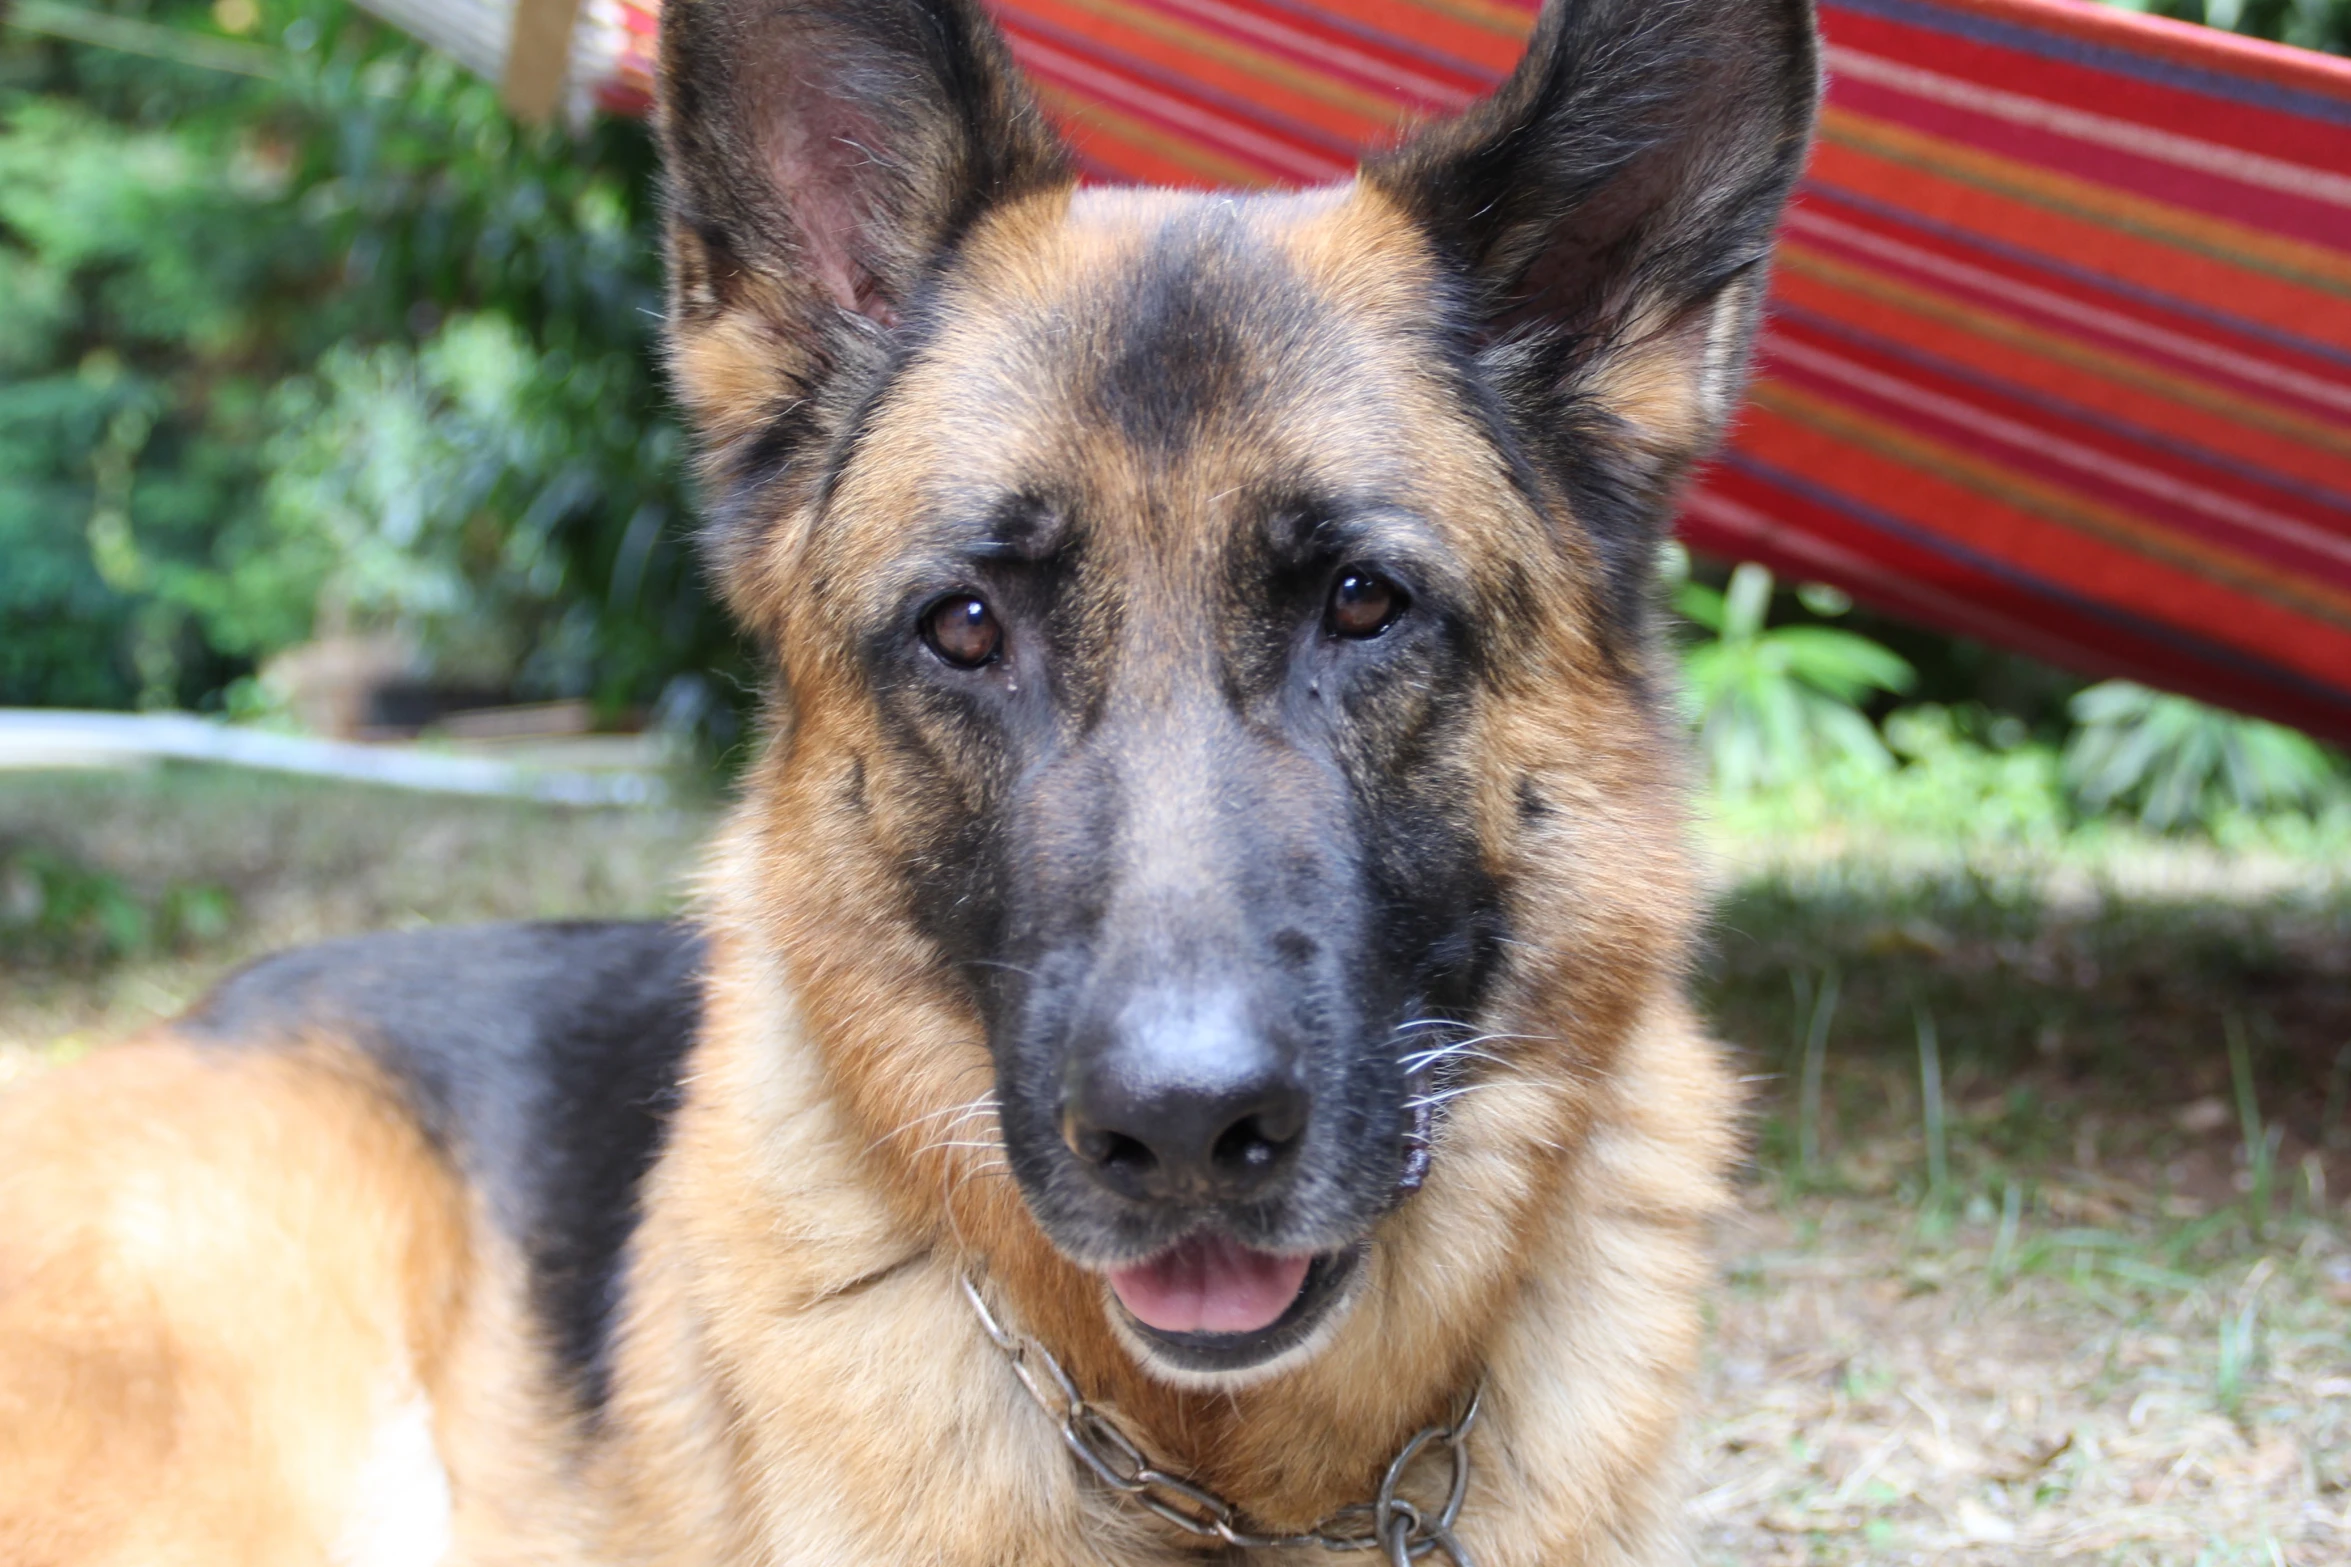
x: 1209, y: 1362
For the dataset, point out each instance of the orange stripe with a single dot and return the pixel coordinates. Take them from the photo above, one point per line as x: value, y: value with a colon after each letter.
x: 1200, y: 165
x: 1803, y: 260
x: 2068, y: 508
x: 2161, y: 269
x: 2218, y: 238
x: 2081, y: 563
x: 1244, y: 67
x: 2095, y: 394
x: 1495, y: 34
x: 1509, y: 21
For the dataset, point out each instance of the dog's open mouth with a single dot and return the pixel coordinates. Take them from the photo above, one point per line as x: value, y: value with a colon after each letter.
x: 1209, y: 1284
x: 1210, y: 1303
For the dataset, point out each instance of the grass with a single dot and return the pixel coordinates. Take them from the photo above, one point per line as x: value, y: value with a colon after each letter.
x: 268, y: 862
x: 2038, y: 1257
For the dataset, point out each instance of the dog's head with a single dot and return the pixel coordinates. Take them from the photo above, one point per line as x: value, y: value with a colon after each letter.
x: 1210, y: 628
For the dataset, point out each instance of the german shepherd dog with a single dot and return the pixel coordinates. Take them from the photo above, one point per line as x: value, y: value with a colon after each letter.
x: 1191, y: 995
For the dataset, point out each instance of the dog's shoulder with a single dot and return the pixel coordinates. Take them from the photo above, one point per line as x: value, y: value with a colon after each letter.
x: 542, y: 1058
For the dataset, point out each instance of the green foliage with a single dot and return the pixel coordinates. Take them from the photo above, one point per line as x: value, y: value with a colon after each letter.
x: 122, y: 246
x: 429, y: 489
x: 57, y: 911
x: 1949, y: 784
x: 1774, y: 704
x: 1779, y: 712
x: 343, y: 341
x: 2312, y: 24
x: 2178, y: 762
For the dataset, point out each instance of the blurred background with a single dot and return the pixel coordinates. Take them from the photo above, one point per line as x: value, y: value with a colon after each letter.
x: 329, y: 405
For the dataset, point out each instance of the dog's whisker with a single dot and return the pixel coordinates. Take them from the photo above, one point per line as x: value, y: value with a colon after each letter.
x: 996, y: 1167
x: 949, y: 1145
x: 1010, y: 968
x: 984, y: 1104
x: 1431, y: 1101
x: 1471, y: 1035
x: 1422, y: 1059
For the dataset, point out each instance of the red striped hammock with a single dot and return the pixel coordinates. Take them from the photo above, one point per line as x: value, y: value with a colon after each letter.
x: 2059, y: 354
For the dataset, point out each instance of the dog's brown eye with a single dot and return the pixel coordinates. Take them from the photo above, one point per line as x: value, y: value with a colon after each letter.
x: 1363, y: 604
x: 963, y: 631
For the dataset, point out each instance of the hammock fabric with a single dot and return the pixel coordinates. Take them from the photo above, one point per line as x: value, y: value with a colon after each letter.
x: 2059, y: 353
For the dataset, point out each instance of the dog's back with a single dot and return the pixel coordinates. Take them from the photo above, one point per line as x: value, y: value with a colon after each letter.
x: 235, y: 1255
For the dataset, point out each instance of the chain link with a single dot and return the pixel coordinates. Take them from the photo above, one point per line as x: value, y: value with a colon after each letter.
x: 1389, y: 1522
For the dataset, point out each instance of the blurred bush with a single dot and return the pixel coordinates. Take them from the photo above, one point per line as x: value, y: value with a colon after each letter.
x: 1799, y: 730
x: 1773, y: 704
x: 2179, y: 763
x: 339, y: 347
x: 55, y: 910
x: 2311, y: 24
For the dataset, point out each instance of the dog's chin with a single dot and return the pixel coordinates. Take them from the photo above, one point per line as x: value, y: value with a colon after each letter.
x: 1209, y: 1311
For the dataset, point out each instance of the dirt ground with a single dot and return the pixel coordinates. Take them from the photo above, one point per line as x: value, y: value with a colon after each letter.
x: 1874, y: 1397
x: 2040, y: 1255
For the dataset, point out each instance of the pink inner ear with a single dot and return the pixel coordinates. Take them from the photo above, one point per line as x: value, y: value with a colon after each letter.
x: 830, y: 181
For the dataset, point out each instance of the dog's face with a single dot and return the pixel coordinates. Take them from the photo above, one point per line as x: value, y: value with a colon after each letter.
x: 1162, y: 576
x: 1172, y: 642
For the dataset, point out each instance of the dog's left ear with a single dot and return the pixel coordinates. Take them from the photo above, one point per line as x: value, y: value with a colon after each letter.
x: 1609, y: 211
x: 822, y: 158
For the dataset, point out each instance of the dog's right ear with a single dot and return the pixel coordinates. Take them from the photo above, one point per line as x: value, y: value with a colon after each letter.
x: 822, y: 156
x: 1607, y: 214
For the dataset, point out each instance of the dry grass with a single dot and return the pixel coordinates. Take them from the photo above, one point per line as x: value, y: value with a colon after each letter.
x: 2116, y: 1329
x: 1879, y: 1396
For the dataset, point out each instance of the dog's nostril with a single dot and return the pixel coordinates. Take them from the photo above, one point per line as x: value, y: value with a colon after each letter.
x: 1181, y: 1144
x: 1105, y: 1149
x: 1124, y: 1154
x: 1251, y: 1146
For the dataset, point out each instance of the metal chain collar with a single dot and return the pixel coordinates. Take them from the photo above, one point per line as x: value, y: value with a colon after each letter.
x: 1388, y: 1522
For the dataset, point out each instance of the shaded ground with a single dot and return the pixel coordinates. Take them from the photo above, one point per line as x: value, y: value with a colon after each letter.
x: 2109, y: 1320
x: 2104, y: 1316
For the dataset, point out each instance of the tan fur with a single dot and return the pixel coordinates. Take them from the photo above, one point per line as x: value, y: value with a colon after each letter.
x: 217, y: 1275
x: 797, y: 1378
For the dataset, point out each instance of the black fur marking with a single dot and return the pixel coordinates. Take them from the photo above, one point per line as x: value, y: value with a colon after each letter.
x: 1330, y: 877
x: 1178, y: 348
x: 543, y: 1059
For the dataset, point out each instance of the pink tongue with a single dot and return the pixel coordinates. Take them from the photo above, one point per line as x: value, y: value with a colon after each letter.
x: 1210, y: 1285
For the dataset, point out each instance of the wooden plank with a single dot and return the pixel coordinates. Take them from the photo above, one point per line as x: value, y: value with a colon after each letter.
x: 538, y: 57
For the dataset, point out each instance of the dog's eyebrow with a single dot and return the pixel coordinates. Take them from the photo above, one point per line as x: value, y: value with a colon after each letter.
x: 1016, y: 528
x: 1328, y: 527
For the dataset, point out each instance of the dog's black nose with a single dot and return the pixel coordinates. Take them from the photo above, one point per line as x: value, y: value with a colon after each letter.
x: 1183, y: 1100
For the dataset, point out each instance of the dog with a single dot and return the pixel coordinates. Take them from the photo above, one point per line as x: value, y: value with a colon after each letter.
x: 1181, y: 1053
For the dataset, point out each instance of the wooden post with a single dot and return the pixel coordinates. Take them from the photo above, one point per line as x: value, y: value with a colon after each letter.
x: 538, y: 57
